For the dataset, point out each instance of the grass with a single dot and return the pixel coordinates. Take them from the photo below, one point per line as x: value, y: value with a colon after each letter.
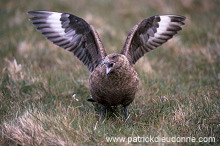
x: 43, y: 89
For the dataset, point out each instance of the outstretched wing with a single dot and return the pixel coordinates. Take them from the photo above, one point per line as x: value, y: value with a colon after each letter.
x: 71, y: 33
x: 150, y: 34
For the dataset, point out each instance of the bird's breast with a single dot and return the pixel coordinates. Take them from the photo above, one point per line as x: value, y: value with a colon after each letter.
x: 115, y: 87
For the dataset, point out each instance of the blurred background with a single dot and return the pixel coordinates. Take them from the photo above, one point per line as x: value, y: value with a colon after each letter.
x: 185, y: 72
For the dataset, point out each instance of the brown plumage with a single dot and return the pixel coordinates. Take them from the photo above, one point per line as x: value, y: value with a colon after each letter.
x: 113, y: 80
x: 115, y: 85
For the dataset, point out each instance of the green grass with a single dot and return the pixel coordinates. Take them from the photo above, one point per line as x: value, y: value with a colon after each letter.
x: 179, y: 93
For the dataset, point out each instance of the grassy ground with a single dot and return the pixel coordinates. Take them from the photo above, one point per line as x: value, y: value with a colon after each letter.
x: 43, y: 89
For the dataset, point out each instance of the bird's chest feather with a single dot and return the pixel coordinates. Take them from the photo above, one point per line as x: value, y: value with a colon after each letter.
x: 118, y: 83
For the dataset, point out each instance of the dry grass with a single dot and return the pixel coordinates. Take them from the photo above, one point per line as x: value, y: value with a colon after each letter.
x: 36, y: 128
x: 43, y: 89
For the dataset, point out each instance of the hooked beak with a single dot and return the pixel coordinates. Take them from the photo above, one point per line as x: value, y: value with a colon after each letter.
x: 108, y: 65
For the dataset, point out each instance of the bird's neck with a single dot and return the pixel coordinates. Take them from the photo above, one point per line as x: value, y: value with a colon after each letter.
x: 123, y: 72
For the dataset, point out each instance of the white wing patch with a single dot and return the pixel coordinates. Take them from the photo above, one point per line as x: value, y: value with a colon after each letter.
x: 55, y: 23
x: 163, y: 24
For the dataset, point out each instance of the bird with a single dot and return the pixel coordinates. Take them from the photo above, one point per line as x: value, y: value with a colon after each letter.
x: 113, y: 80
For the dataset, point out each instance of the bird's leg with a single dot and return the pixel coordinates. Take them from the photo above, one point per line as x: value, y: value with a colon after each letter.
x: 102, y: 115
x: 126, y: 115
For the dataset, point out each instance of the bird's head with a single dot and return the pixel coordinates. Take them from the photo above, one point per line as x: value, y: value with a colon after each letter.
x: 114, y: 62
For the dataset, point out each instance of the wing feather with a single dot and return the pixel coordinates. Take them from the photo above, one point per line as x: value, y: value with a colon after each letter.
x: 149, y: 34
x: 71, y: 33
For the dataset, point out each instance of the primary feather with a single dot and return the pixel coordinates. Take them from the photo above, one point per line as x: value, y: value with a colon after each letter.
x: 149, y: 34
x: 71, y: 33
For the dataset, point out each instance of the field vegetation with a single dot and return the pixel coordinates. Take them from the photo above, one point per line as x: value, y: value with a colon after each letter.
x: 43, y: 89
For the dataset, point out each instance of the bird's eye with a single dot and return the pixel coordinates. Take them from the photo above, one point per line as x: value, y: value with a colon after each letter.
x: 110, y: 65
x: 114, y: 57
